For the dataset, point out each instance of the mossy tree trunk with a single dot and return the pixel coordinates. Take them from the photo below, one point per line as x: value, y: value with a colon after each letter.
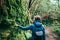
x: 12, y: 12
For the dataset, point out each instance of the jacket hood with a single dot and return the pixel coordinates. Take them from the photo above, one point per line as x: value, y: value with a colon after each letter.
x: 37, y: 24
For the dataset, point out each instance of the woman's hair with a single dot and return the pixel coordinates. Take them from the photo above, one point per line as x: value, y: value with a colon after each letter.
x: 37, y: 17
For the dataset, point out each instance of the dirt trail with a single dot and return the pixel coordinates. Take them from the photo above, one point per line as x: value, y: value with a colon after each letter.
x: 50, y: 35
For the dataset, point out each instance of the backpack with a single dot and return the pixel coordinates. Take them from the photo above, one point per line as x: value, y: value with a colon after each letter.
x: 38, y: 31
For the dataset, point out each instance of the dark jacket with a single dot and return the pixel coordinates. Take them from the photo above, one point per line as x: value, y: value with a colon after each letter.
x: 33, y: 27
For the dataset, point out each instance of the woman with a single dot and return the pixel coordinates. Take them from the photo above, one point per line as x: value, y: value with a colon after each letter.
x: 37, y: 28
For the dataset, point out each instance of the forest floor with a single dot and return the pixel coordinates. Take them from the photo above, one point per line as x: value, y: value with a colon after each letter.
x: 50, y: 35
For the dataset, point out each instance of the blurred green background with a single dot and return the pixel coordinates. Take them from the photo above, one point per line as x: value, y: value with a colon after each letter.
x: 21, y: 12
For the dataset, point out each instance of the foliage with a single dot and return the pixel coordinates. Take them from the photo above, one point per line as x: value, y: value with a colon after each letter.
x: 56, y: 30
x: 13, y: 12
x: 18, y: 12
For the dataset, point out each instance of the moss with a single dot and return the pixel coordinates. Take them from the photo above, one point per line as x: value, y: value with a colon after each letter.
x: 13, y: 12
